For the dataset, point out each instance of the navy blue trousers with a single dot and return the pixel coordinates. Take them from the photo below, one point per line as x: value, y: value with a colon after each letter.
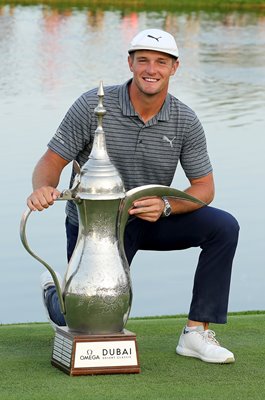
x: 213, y: 230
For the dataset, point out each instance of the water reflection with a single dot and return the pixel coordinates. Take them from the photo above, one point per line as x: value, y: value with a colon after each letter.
x: 50, y: 56
x: 60, y: 47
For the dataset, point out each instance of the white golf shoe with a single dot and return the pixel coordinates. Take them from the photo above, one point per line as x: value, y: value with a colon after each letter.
x: 200, y: 343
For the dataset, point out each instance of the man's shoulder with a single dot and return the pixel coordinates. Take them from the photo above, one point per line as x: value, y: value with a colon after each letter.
x: 88, y: 100
x: 181, y: 108
x: 175, y: 102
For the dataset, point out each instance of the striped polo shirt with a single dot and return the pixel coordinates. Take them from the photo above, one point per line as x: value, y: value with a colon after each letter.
x: 143, y: 153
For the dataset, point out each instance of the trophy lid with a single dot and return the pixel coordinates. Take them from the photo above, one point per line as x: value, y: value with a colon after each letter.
x: 99, y: 179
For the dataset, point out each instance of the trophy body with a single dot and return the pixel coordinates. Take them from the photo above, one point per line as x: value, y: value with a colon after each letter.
x: 97, y: 286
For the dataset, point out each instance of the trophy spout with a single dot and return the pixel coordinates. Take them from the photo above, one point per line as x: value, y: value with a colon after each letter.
x: 145, y: 191
x: 49, y: 268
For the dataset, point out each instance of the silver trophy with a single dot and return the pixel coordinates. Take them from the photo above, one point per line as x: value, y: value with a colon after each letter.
x: 96, y: 293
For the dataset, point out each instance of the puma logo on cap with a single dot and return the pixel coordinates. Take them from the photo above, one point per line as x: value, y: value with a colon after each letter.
x: 154, y: 37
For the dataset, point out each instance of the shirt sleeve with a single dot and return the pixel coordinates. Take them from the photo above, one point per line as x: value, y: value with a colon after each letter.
x: 74, y: 132
x: 194, y: 156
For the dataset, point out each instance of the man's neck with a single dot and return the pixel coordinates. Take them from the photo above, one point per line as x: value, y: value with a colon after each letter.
x: 146, y: 106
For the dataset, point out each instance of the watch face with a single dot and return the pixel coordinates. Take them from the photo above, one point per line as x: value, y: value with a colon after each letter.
x: 167, y: 209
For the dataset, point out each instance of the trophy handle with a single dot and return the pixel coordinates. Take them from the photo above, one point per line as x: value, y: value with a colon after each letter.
x: 145, y: 191
x: 25, y: 244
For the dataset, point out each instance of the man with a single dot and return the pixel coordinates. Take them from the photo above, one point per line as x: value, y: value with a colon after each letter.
x: 147, y: 132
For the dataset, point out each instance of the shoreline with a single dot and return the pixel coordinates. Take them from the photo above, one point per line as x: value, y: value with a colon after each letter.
x: 147, y: 5
x: 147, y: 318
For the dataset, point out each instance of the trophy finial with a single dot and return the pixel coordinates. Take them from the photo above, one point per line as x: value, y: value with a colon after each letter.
x: 99, y: 179
x: 99, y: 150
x: 100, y: 89
x: 100, y: 110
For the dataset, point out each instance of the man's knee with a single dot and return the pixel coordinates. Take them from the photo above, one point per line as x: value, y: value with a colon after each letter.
x: 227, y: 226
x: 231, y: 226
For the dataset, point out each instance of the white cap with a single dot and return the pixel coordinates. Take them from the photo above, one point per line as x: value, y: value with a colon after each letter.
x: 156, y: 40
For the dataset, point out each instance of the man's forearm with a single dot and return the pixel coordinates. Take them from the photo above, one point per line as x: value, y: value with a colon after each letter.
x: 43, y: 175
x: 45, y: 179
x: 48, y: 170
x: 202, y: 189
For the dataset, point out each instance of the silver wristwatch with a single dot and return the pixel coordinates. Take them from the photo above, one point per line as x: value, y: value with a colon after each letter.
x: 167, y: 210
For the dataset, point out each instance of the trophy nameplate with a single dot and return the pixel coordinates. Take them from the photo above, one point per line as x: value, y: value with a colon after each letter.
x: 82, y: 354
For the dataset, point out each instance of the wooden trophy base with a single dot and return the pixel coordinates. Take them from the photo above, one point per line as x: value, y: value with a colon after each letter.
x: 81, y: 354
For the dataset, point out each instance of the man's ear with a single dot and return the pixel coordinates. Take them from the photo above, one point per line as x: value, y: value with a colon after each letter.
x: 130, y: 62
x: 174, y: 67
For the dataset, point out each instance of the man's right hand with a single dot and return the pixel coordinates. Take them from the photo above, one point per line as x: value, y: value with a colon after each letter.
x: 42, y: 198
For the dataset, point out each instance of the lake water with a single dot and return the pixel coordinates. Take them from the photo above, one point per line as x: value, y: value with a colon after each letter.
x: 49, y: 57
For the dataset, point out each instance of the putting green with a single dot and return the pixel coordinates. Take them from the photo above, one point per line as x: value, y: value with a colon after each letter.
x: 26, y: 372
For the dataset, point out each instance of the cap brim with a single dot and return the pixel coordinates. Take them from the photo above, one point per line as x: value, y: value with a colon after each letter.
x: 171, y: 52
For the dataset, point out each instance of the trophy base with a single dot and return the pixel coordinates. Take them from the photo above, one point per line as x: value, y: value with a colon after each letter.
x: 82, y: 354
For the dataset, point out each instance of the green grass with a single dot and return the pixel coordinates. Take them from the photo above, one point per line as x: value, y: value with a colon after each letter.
x: 26, y: 372
x: 151, y: 5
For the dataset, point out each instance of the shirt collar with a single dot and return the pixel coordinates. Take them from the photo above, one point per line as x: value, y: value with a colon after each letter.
x: 128, y: 109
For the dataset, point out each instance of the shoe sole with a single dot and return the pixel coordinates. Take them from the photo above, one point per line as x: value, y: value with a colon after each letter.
x: 189, y: 353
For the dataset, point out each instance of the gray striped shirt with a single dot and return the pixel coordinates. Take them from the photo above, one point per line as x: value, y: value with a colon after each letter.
x: 143, y: 153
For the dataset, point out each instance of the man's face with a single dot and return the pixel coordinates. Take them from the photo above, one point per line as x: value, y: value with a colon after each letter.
x: 152, y: 70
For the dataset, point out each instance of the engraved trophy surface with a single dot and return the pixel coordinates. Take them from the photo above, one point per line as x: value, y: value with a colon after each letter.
x: 96, y: 292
